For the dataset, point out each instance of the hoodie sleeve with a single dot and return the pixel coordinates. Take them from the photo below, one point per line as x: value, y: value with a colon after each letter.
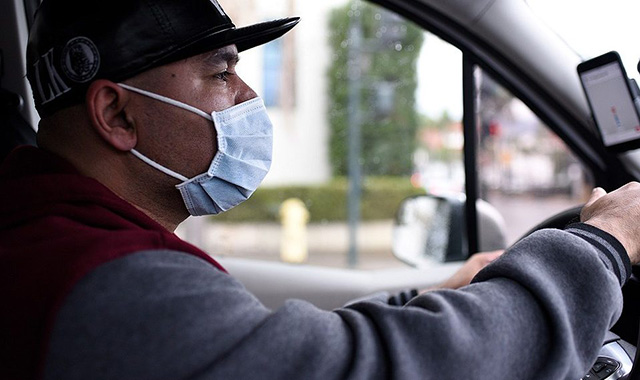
x: 539, y: 311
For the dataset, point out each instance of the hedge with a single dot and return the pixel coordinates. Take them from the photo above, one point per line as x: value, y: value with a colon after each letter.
x: 381, y: 197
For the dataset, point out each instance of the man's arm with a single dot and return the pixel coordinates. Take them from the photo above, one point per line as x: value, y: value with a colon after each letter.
x: 540, y: 311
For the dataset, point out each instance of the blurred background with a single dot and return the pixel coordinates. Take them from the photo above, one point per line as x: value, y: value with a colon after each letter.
x: 367, y: 110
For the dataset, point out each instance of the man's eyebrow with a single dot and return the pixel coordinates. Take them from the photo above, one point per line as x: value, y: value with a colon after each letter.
x: 222, y: 56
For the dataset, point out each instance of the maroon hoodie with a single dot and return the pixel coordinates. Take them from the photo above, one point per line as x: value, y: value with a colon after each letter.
x: 56, y: 226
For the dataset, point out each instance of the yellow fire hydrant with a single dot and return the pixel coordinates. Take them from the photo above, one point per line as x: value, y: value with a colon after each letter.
x: 294, y: 217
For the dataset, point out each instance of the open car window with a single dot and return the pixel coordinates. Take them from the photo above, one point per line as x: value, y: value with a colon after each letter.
x: 368, y: 110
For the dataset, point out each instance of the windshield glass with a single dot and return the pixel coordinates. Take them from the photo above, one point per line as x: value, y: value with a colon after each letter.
x: 594, y: 27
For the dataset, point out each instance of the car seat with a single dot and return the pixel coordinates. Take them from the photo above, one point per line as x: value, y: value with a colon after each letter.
x: 14, y: 129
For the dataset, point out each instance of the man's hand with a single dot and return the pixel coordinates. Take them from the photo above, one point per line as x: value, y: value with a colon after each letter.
x: 617, y: 213
x: 468, y: 271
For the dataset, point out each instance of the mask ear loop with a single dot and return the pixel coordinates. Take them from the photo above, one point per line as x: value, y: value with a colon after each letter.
x: 156, y: 165
x: 168, y: 100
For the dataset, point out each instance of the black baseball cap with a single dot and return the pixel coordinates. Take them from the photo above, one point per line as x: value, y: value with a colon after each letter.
x: 74, y: 42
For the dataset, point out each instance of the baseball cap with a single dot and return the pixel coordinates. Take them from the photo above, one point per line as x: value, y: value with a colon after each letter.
x: 74, y: 42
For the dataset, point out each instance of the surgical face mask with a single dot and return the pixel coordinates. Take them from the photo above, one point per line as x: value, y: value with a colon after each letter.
x: 245, y: 140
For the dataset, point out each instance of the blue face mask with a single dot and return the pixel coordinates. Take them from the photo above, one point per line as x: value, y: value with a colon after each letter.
x: 245, y: 141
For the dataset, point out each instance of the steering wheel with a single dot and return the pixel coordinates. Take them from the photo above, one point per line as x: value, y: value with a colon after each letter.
x: 559, y: 220
x: 626, y: 329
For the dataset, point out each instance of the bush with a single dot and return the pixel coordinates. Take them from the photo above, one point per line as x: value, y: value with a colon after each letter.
x: 387, y: 90
x: 380, y: 199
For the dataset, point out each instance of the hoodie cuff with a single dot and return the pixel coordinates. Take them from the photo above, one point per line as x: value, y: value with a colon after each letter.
x: 611, y: 251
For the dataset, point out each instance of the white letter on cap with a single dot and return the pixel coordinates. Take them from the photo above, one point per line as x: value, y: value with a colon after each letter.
x: 54, y: 83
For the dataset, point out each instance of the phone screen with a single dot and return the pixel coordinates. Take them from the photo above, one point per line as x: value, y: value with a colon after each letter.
x: 607, y: 89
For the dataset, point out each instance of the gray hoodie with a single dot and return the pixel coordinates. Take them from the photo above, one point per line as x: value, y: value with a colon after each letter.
x: 540, y: 311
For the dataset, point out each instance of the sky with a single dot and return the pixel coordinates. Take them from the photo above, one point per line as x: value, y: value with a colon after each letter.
x: 590, y: 27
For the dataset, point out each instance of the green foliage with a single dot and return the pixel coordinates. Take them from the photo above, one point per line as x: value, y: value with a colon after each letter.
x: 388, y: 61
x: 381, y: 197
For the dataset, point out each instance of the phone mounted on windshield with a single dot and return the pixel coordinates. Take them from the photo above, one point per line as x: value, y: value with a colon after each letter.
x: 613, y: 99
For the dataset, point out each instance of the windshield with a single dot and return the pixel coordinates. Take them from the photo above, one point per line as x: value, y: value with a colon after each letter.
x: 594, y: 27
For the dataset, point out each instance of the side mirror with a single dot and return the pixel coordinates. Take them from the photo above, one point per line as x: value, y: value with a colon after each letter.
x: 432, y: 228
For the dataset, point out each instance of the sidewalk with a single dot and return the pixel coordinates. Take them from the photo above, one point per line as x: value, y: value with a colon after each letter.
x: 328, y: 243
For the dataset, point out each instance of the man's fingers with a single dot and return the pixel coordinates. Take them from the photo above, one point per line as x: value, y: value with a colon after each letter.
x: 488, y: 257
x: 597, y: 193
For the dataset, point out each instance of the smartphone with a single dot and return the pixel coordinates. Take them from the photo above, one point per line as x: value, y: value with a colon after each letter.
x: 612, y: 101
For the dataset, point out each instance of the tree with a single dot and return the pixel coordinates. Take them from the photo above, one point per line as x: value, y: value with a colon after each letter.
x: 388, y: 61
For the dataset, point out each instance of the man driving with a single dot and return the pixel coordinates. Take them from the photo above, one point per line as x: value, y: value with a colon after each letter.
x: 145, y: 121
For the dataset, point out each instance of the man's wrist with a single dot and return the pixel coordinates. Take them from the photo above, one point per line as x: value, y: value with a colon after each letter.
x: 611, y: 250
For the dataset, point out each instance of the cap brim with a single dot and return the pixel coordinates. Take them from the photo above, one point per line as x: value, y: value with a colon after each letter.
x: 255, y: 35
x: 244, y: 38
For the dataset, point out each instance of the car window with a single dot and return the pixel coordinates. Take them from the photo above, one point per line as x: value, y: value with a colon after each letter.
x: 367, y: 108
x: 525, y: 171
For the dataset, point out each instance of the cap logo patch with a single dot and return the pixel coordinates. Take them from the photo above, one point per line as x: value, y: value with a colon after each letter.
x: 218, y: 7
x: 80, y: 60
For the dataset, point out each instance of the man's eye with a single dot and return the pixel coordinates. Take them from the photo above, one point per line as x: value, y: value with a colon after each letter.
x: 222, y: 76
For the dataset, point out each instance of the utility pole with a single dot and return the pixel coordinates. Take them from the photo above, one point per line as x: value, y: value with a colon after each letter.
x: 288, y: 77
x: 355, y: 171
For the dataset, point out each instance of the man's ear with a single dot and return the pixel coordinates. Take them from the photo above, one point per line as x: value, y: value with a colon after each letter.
x: 105, y: 103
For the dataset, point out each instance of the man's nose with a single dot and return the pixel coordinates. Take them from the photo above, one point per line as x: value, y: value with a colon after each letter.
x: 244, y: 92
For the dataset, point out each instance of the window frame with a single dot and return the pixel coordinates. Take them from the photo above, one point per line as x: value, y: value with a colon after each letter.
x: 606, y: 168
